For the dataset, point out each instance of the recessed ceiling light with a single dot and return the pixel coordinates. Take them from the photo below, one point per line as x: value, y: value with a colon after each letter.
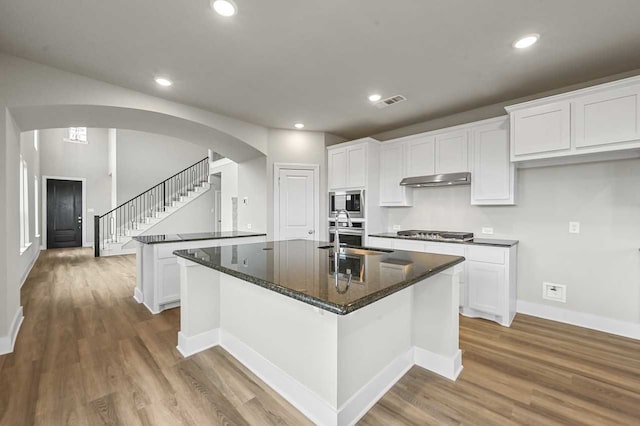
x: 224, y: 7
x: 526, y: 41
x: 375, y: 98
x: 299, y: 126
x: 163, y: 81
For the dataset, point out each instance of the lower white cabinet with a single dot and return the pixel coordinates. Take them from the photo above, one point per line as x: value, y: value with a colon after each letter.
x: 488, y: 283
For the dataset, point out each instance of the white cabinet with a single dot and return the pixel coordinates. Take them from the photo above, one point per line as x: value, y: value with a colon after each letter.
x: 347, y: 166
x: 392, y: 166
x: 609, y: 117
x: 485, y: 286
x: 492, y: 174
x: 488, y: 281
x: 420, y: 156
x: 597, y: 120
x: 541, y: 129
x: 451, y: 151
x: 337, y: 168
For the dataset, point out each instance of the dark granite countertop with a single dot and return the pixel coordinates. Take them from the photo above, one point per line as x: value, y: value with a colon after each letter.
x: 476, y: 241
x: 301, y: 270
x: 177, y: 238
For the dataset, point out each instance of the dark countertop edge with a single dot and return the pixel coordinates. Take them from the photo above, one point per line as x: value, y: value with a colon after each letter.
x: 226, y: 237
x: 482, y: 241
x: 331, y: 307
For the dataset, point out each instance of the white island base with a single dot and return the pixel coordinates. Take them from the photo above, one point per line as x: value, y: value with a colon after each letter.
x: 333, y: 368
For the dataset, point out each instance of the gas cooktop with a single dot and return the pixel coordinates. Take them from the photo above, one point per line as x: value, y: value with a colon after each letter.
x: 437, y: 235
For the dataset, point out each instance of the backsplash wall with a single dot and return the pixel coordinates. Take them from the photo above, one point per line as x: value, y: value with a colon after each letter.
x: 600, y: 266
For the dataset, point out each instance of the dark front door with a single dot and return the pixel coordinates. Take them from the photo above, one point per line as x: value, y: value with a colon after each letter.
x: 64, y: 213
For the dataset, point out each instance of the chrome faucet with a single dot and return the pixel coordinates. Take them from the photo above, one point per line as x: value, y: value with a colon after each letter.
x: 336, y: 253
x: 336, y: 240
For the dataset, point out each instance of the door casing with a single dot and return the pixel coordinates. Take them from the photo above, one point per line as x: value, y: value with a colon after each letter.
x: 276, y: 194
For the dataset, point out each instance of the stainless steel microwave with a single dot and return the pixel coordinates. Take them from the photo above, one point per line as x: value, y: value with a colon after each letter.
x: 351, y: 201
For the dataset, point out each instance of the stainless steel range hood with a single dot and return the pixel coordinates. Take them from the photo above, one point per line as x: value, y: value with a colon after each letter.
x: 437, y: 180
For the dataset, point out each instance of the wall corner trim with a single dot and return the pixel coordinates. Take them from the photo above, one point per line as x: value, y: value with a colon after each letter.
x: 7, y: 343
x: 581, y: 319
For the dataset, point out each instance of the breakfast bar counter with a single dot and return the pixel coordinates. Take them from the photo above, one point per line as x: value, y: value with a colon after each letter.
x: 330, y: 343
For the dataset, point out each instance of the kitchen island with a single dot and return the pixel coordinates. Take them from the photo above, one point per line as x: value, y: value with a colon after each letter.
x: 331, y: 344
x: 157, y: 275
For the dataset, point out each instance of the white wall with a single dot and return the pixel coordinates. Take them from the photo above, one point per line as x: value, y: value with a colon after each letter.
x: 32, y: 158
x: 292, y: 146
x: 90, y: 161
x: 146, y: 159
x: 113, y: 171
x: 600, y: 266
x: 228, y: 171
x: 252, y: 184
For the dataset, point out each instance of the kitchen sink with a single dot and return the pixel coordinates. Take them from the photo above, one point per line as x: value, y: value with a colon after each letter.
x: 361, y: 251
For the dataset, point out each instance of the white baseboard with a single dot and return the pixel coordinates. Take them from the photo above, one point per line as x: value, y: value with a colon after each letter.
x: 594, y: 322
x: 8, y: 342
x: 192, y: 345
x: 448, y: 367
x: 29, y: 268
x: 367, y: 396
x: 310, y: 404
x: 137, y: 295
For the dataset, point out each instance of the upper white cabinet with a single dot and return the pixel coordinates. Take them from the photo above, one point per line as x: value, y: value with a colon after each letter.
x: 542, y: 129
x: 606, y: 118
x: 392, y: 170
x: 420, y: 156
x: 594, y: 120
x: 347, y: 166
x: 451, y: 152
x: 492, y: 174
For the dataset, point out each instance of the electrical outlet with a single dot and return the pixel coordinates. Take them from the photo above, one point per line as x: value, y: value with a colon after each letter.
x: 248, y: 226
x: 488, y: 231
x: 574, y: 227
x: 396, y: 227
x: 555, y: 292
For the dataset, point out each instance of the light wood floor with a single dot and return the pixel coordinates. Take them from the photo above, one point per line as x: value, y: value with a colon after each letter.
x: 87, y: 354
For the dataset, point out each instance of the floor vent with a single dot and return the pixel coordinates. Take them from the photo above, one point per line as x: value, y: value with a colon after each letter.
x: 390, y: 101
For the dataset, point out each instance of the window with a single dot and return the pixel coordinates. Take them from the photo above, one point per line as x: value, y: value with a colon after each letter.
x: 35, y: 205
x: 77, y: 135
x: 24, y: 206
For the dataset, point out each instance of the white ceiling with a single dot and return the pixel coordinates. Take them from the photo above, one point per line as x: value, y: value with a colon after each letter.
x: 282, y: 61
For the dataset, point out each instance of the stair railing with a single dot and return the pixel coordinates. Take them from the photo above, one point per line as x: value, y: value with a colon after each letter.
x: 120, y: 222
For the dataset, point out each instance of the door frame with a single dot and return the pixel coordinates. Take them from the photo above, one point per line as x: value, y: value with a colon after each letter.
x: 277, y: 167
x: 43, y: 241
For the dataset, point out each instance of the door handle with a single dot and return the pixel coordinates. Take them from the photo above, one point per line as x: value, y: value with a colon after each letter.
x: 311, y: 232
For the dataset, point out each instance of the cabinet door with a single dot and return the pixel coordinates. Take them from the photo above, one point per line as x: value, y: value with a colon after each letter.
x: 541, y: 130
x: 451, y: 152
x: 486, y: 287
x: 421, y: 157
x: 356, y: 166
x: 609, y: 117
x: 391, y: 173
x: 337, y: 168
x: 492, y: 173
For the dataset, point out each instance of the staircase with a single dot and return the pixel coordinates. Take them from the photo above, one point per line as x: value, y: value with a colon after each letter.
x: 115, y: 229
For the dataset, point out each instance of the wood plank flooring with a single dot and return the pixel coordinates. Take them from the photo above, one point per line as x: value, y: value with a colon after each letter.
x: 88, y: 354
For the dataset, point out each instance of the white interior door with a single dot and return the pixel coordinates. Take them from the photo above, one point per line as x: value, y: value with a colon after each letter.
x: 297, y: 204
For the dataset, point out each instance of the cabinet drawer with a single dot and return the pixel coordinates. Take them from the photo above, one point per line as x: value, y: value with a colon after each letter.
x: 486, y: 254
x: 408, y: 245
x: 385, y: 243
x: 444, y: 248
